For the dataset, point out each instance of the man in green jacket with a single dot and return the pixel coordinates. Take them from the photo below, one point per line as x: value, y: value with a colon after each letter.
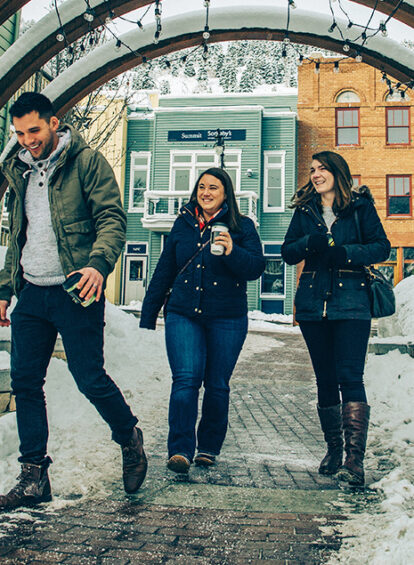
x: 65, y: 216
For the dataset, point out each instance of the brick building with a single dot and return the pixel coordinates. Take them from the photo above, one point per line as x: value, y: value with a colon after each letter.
x: 352, y: 113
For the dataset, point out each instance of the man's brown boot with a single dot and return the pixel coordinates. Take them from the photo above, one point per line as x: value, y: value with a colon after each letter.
x: 134, y: 462
x: 33, y: 487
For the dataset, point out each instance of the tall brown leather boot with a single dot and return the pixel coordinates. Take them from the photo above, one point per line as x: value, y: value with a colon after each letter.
x: 33, y: 487
x: 331, y: 424
x: 355, y: 417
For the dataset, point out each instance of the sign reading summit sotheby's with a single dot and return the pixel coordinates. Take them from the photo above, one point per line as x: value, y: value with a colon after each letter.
x: 206, y: 135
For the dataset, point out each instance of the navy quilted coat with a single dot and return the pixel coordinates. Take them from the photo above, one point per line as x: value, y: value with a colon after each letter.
x: 211, y: 286
x: 338, y: 293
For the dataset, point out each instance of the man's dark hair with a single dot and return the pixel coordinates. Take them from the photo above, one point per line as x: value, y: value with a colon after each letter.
x: 32, y: 102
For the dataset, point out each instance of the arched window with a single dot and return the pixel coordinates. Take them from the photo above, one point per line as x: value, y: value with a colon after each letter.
x: 396, y: 97
x: 348, y: 96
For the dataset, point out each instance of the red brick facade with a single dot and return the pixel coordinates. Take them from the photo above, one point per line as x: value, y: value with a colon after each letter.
x: 371, y: 157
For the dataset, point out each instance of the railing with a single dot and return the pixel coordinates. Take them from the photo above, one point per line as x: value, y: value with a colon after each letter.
x: 161, y: 207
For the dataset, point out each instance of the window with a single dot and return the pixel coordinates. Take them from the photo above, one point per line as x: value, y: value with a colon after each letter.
x: 186, y: 166
x: 273, y: 282
x: 139, y: 180
x: 274, y: 181
x: 348, y: 96
x: 347, y: 126
x: 356, y: 181
x: 399, y: 195
x: 398, y: 125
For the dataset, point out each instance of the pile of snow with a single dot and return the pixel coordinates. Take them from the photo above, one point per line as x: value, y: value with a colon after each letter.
x: 401, y: 323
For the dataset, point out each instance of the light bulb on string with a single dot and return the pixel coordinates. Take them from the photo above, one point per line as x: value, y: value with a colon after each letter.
x: 299, y: 61
x: 317, y: 68
x: 346, y: 47
x: 60, y: 37
x: 89, y: 15
x: 292, y: 4
x: 358, y: 58
x: 333, y: 26
x: 206, y: 33
x: 383, y: 28
x: 336, y: 67
x: 118, y: 44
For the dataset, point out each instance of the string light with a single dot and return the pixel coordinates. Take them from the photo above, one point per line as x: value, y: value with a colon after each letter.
x: 383, y: 28
x: 206, y: 33
x: 346, y: 47
x: 118, y: 44
x: 89, y: 15
x: 358, y: 58
x: 333, y: 26
x: 60, y: 37
x: 336, y: 67
x: 299, y: 61
x: 317, y: 67
x: 292, y: 4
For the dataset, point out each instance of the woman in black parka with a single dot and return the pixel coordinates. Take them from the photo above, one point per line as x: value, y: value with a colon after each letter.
x: 332, y: 302
x: 206, y: 321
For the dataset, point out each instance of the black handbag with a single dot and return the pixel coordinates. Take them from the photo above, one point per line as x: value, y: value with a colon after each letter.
x: 381, y: 291
x: 168, y: 293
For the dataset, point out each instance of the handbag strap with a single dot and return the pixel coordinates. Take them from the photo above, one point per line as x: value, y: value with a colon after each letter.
x: 358, y: 227
x: 181, y: 271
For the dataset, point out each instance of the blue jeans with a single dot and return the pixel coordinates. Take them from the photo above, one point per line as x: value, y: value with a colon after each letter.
x: 201, y: 352
x: 40, y: 313
x: 337, y: 349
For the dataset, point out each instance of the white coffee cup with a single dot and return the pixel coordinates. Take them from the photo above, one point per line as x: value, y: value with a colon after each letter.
x: 217, y: 248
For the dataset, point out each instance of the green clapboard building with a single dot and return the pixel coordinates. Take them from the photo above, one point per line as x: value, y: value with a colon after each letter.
x: 168, y: 146
x: 9, y: 32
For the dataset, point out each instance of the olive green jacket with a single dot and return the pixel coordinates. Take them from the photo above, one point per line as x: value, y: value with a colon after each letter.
x: 86, y: 210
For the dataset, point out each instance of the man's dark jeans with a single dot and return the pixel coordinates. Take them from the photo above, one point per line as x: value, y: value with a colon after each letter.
x: 201, y: 352
x: 40, y: 313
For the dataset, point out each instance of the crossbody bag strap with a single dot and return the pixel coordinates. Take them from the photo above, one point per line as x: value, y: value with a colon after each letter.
x: 193, y: 257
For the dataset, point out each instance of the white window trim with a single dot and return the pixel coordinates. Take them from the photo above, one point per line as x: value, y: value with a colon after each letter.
x: 133, y: 168
x: 270, y: 295
x: 192, y: 164
x: 267, y: 167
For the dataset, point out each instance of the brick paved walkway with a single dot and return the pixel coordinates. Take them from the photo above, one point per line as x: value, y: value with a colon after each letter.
x: 264, y: 502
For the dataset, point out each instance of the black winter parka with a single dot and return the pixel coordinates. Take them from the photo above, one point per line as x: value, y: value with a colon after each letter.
x: 337, y: 293
x: 211, y: 286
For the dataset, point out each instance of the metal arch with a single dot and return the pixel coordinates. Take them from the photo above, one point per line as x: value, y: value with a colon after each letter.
x: 20, y: 62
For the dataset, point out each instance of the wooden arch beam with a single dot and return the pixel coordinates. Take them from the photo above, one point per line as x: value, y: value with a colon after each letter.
x: 39, y: 44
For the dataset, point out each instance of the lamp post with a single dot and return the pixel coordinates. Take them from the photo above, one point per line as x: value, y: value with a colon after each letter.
x: 219, y: 147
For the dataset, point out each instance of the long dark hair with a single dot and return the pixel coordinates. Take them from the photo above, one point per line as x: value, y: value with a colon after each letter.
x: 343, y: 182
x: 233, y: 214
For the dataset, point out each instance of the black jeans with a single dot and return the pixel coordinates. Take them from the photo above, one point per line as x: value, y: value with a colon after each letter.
x: 40, y: 313
x: 338, y: 349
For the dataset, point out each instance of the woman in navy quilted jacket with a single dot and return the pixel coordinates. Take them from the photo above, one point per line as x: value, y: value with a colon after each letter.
x: 332, y: 302
x: 206, y: 315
